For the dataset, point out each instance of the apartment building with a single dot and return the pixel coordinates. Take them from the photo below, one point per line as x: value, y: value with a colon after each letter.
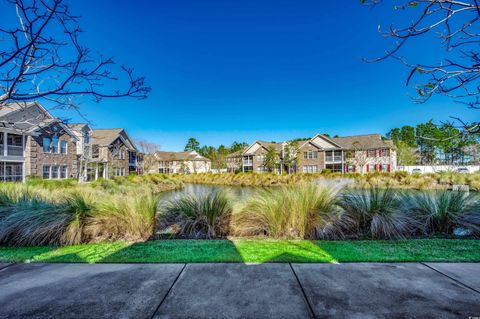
x: 361, y: 153
x: 34, y: 143
x: 180, y: 162
x: 112, y: 153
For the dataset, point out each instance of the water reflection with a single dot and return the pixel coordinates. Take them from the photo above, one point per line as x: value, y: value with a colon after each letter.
x: 237, y: 192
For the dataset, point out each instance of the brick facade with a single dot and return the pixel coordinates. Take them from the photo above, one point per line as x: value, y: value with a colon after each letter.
x: 36, y: 158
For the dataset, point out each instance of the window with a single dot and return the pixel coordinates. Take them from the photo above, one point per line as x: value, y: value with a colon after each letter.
x: 63, y: 147
x: 385, y: 168
x: 11, y: 172
x: 260, y: 158
x: 261, y: 169
x: 334, y: 167
x: 55, y: 144
x: 310, y: 168
x: 351, y: 169
x: 123, y: 171
x: 310, y: 154
x: 95, y: 151
x: 371, y: 153
x: 86, y: 138
x: 46, y: 171
x: 371, y: 168
x: 122, y: 154
x: 55, y: 171
x: 384, y: 152
x: 46, y: 144
x: 63, y: 171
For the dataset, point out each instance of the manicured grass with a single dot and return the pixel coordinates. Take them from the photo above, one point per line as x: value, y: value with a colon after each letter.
x: 252, y: 250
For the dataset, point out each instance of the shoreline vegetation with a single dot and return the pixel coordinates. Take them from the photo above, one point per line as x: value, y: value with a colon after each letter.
x: 127, y: 216
x: 403, y: 180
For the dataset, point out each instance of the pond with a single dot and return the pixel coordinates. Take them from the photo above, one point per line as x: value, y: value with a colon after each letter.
x: 239, y: 192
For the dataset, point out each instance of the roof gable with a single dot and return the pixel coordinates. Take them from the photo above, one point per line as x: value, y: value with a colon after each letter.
x: 324, y: 142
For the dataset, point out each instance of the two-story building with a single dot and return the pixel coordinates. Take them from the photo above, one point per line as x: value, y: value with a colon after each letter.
x: 361, y: 153
x: 34, y: 143
x: 113, y: 153
x: 180, y: 162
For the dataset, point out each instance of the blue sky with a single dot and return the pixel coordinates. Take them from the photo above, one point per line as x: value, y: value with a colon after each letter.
x: 243, y: 70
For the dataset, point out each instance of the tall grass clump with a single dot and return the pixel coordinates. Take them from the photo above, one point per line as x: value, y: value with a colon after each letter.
x: 377, y: 213
x: 301, y: 211
x: 118, y: 217
x: 443, y: 211
x: 198, y: 215
x: 34, y: 219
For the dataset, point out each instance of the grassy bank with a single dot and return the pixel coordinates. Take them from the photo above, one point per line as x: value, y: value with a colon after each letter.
x: 64, y: 212
x: 252, y: 250
x: 395, y: 180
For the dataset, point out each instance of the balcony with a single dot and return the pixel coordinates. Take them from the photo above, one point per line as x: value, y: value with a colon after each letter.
x: 333, y: 159
x: 14, y: 150
x: 247, y: 162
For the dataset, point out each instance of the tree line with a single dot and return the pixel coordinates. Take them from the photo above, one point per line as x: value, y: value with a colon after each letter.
x: 429, y: 143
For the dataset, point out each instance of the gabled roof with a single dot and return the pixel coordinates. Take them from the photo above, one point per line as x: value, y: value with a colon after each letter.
x: 78, y: 126
x: 267, y: 145
x: 235, y: 154
x: 323, y: 142
x: 180, y: 156
x: 367, y: 141
x: 29, y: 118
x: 263, y: 144
x: 105, y: 137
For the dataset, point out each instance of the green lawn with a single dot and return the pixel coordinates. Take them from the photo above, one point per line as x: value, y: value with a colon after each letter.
x: 252, y: 251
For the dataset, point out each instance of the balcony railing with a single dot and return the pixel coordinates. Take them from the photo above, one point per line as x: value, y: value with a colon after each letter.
x: 14, y: 150
x: 247, y: 163
x: 333, y: 158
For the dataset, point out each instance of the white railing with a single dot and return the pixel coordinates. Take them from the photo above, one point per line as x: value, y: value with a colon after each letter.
x: 14, y: 150
x: 333, y: 158
x: 247, y: 162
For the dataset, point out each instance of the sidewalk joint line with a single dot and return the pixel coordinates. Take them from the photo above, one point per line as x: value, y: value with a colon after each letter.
x: 8, y: 265
x: 456, y: 280
x: 168, y: 291
x: 303, y: 292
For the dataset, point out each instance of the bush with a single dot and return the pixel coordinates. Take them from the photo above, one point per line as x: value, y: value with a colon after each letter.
x: 118, y: 217
x: 34, y: 220
x: 198, y: 216
x: 443, y: 211
x: 302, y: 211
x: 377, y: 213
x: 31, y: 216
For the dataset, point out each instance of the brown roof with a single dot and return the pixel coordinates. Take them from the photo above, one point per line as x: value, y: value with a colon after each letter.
x: 235, y: 154
x: 362, y: 141
x: 77, y: 126
x: 267, y: 145
x: 105, y: 137
x: 180, y: 156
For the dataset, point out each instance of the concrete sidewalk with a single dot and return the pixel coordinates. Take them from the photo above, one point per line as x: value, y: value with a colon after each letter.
x: 354, y: 290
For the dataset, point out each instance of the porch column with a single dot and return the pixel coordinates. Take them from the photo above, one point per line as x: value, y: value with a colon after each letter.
x: 23, y: 172
x: 105, y: 168
x: 96, y: 171
x: 343, y: 163
x: 5, y: 148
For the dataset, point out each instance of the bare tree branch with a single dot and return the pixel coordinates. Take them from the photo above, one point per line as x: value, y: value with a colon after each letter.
x: 41, y: 59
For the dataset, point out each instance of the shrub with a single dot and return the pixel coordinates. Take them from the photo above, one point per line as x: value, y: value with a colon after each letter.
x: 117, y: 217
x: 443, y: 211
x: 301, y: 211
x: 377, y: 213
x: 35, y: 220
x: 198, y: 215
